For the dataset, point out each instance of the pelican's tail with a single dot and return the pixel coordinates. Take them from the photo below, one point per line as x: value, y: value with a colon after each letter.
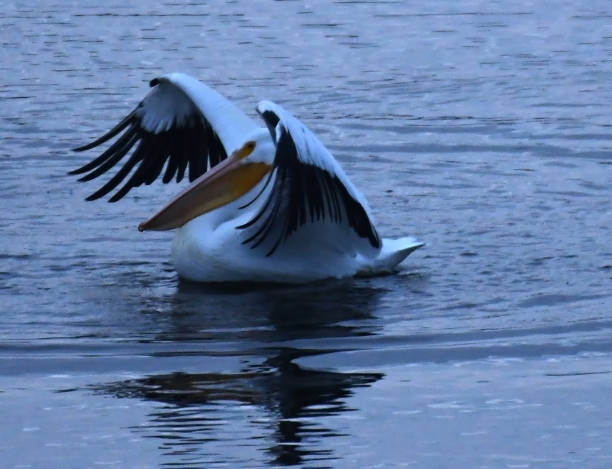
x: 393, y: 252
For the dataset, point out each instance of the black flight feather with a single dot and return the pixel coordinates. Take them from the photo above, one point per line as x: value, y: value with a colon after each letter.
x: 301, y: 193
x: 191, y: 144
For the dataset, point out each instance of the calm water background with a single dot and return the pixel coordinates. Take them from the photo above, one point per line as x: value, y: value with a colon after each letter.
x: 483, y: 128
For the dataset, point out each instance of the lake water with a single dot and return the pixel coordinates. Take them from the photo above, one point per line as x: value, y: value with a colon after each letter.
x: 482, y: 128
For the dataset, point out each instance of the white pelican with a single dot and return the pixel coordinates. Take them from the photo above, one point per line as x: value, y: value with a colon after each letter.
x: 279, y: 208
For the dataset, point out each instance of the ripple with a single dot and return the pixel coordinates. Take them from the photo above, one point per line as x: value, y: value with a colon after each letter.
x: 484, y: 133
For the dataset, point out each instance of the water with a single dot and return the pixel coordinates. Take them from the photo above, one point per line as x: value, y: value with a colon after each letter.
x: 481, y: 128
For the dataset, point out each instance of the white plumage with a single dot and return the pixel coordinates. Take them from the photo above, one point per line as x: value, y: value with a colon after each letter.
x: 267, y: 205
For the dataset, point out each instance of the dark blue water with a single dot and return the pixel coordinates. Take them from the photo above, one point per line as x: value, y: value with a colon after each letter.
x: 481, y: 128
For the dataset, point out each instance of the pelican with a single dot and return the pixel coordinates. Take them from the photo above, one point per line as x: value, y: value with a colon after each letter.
x: 264, y: 204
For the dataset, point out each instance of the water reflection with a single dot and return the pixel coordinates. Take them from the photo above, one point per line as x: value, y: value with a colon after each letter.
x: 282, y: 402
x: 269, y: 313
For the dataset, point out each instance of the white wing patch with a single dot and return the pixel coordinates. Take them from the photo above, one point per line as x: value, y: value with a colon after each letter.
x: 310, y: 150
x: 308, y: 188
x: 181, y: 125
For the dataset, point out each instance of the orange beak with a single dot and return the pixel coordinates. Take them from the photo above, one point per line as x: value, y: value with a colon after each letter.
x: 224, y: 183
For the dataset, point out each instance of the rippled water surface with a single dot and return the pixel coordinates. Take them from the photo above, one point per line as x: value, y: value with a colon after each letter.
x: 482, y: 128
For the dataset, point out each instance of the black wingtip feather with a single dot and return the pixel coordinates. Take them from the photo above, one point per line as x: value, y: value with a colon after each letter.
x: 110, y: 157
x: 92, y: 197
x: 310, y: 194
x: 120, y: 193
x: 193, y: 145
x: 110, y: 134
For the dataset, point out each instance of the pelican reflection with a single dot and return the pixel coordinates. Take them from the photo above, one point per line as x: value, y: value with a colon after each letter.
x: 268, y: 401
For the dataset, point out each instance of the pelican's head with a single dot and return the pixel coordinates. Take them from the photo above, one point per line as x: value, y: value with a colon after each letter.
x: 222, y: 184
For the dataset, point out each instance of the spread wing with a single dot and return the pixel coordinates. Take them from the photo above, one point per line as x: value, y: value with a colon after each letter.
x: 181, y: 125
x: 307, y: 186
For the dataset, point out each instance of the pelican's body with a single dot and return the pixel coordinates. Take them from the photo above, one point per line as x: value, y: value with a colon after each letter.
x: 265, y: 204
x: 209, y: 250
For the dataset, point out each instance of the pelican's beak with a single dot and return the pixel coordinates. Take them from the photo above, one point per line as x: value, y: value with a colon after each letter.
x: 219, y: 186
